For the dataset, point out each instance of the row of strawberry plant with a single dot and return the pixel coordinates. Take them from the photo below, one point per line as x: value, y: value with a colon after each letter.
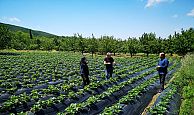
x: 132, y: 94
x: 92, y: 86
x: 27, y: 80
x: 76, y: 107
x: 163, y: 105
x: 84, y: 104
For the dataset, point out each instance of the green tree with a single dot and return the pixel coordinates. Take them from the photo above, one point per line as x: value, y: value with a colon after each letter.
x: 149, y: 43
x: 47, y: 43
x: 169, y: 45
x: 184, y: 42
x: 30, y: 34
x: 114, y: 45
x: 133, y: 46
x: 124, y: 46
x: 71, y: 43
x: 5, y: 37
x: 38, y: 42
x: 23, y: 40
x: 56, y: 43
x: 81, y: 43
x: 106, y: 44
x: 92, y: 45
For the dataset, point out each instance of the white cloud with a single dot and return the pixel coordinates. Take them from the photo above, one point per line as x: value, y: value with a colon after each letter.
x: 175, y: 16
x: 151, y: 3
x: 191, y: 13
x: 10, y: 19
x: 14, y: 19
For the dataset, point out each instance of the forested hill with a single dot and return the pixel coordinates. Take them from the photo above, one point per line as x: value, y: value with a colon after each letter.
x: 26, y: 30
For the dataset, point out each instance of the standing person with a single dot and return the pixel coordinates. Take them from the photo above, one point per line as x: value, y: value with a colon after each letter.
x: 162, y: 70
x: 84, y: 71
x: 109, y: 61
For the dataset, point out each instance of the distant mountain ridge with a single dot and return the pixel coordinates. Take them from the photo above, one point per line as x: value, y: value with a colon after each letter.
x: 26, y: 30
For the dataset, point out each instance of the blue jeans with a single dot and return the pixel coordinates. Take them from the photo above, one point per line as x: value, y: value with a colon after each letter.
x: 109, y: 72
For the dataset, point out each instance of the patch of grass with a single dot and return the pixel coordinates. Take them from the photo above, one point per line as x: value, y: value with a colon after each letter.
x: 185, y: 79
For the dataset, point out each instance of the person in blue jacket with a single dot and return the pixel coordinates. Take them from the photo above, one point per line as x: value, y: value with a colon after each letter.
x: 84, y: 71
x: 162, y: 69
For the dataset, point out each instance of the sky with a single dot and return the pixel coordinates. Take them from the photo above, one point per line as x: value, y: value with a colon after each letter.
x: 118, y: 18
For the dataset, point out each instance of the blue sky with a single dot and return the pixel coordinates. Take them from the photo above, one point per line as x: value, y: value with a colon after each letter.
x: 120, y: 18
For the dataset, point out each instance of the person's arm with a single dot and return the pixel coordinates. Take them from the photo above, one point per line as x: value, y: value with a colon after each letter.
x: 158, y: 63
x: 87, y: 70
x: 158, y: 66
x: 106, y: 62
x: 81, y: 69
x: 166, y: 64
x: 113, y: 62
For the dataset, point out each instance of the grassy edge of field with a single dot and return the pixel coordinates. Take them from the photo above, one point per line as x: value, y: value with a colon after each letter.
x: 185, y: 80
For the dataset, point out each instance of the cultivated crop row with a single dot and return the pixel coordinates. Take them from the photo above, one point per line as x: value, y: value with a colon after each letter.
x: 50, y: 83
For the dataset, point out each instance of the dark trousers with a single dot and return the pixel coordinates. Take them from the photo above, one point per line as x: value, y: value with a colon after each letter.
x: 162, y: 80
x: 85, y: 79
x: 109, y: 72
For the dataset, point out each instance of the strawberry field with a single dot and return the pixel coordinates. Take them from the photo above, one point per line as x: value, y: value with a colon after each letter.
x: 50, y: 83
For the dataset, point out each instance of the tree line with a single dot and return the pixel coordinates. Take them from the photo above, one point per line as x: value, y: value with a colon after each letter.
x: 180, y: 43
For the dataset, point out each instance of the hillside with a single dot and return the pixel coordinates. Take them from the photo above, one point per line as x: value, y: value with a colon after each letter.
x: 26, y: 30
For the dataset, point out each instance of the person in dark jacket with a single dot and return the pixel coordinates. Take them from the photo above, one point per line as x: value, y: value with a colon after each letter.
x: 84, y: 71
x: 162, y: 69
x: 109, y: 61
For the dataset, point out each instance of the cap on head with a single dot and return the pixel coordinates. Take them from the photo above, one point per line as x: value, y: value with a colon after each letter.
x: 108, y: 54
x: 162, y: 54
x: 84, y: 55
